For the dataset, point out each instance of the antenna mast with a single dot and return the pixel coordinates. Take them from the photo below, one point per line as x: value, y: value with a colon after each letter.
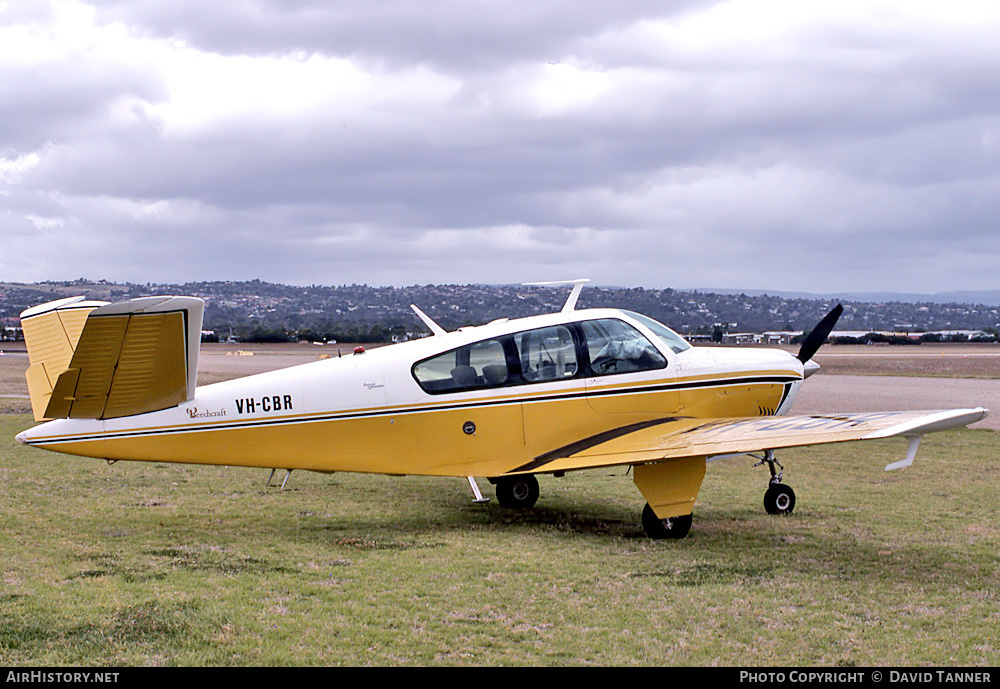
x: 574, y: 294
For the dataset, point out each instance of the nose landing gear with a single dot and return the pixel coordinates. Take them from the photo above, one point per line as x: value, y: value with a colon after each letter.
x: 778, y: 498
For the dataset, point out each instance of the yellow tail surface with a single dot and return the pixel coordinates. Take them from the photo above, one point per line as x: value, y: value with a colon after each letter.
x: 96, y: 360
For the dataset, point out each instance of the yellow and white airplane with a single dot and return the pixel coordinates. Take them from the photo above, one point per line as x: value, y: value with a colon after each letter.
x: 548, y: 394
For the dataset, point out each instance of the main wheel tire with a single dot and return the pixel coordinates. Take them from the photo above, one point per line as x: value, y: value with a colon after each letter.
x: 672, y: 527
x: 517, y: 492
x: 779, y: 499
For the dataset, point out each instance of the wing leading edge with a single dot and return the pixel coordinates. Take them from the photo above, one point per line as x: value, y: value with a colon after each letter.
x: 678, y: 438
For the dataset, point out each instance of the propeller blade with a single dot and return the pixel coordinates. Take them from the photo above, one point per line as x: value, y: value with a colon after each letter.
x: 817, y: 337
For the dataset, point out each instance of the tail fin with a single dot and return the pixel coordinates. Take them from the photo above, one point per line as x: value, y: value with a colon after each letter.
x: 96, y: 360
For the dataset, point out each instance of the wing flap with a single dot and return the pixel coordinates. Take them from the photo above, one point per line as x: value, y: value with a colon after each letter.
x: 686, y: 437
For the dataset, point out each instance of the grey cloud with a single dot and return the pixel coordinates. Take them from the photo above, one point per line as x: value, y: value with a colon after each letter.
x: 65, y: 100
x: 450, y: 34
x: 742, y: 165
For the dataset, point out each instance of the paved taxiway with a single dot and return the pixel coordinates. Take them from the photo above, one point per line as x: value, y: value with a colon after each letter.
x: 823, y: 394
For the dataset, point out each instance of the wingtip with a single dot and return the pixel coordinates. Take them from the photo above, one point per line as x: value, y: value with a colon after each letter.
x: 931, y: 422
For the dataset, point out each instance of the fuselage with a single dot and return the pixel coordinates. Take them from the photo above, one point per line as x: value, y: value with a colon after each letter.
x: 479, y: 401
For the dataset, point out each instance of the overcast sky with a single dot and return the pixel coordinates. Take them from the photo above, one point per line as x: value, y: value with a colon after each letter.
x: 834, y: 146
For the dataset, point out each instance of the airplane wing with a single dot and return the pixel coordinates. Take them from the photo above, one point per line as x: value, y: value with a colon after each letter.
x: 676, y: 438
x: 96, y: 360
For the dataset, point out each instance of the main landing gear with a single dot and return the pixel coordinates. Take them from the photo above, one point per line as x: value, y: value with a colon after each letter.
x: 517, y: 492
x: 672, y: 527
x: 778, y: 498
x: 521, y: 492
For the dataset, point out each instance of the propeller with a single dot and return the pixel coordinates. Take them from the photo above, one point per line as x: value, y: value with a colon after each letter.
x: 818, y: 336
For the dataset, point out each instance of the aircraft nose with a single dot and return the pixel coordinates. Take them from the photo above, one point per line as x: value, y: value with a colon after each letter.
x: 22, y: 437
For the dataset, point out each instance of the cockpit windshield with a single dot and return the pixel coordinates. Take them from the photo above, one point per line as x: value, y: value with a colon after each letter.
x: 676, y: 343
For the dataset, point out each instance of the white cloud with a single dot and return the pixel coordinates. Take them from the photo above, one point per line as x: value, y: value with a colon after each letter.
x: 11, y: 169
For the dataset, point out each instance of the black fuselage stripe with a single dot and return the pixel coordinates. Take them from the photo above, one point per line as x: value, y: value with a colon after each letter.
x: 587, y: 443
x: 784, y: 396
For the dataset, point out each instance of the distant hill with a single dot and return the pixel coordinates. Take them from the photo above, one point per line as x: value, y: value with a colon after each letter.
x: 263, y: 311
x: 984, y: 297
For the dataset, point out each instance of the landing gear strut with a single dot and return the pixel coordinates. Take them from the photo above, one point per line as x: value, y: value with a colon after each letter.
x: 778, y: 498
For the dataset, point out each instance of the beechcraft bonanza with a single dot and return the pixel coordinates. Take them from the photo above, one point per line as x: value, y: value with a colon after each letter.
x: 573, y: 390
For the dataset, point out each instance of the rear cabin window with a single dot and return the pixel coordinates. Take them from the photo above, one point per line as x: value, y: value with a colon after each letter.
x: 560, y: 352
x: 479, y: 365
x: 547, y: 354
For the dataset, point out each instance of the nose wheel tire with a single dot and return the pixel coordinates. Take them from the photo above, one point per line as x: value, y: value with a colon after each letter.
x: 672, y: 527
x: 779, y: 499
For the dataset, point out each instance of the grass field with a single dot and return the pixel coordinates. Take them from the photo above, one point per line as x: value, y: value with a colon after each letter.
x: 153, y: 564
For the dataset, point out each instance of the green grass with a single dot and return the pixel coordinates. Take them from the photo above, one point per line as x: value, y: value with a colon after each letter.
x: 152, y: 564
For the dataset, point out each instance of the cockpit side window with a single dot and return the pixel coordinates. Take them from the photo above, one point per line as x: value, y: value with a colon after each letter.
x: 676, y: 343
x: 614, y: 347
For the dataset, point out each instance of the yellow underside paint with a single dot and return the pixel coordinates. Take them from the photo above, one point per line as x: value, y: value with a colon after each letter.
x: 670, y: 487
x: 508, y: 434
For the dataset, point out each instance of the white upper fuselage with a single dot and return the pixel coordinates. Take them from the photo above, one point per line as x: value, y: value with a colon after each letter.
x: 382, y: 377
